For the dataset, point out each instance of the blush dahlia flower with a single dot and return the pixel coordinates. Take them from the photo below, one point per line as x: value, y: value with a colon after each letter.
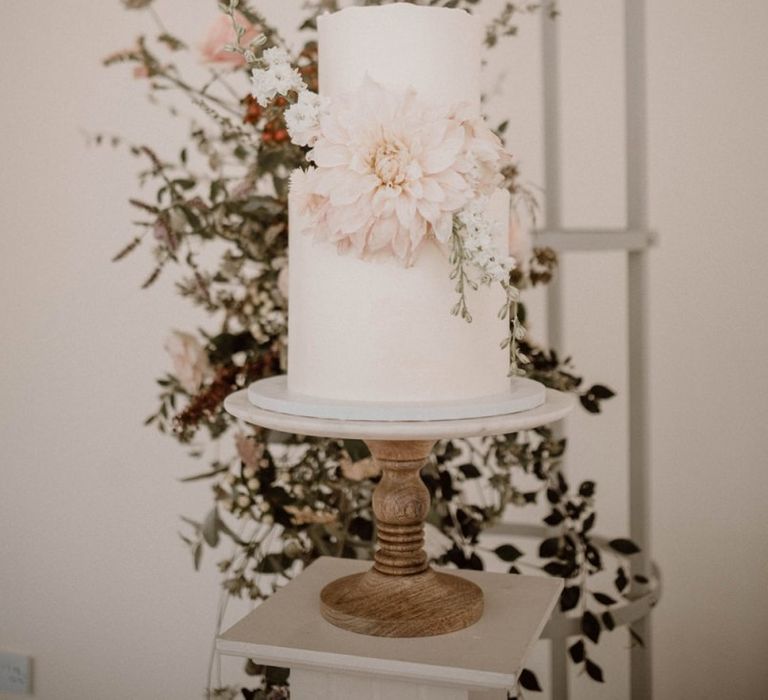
x: 391, y: 171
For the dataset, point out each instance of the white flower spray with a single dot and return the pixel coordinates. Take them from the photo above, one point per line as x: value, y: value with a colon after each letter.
x: 473, y: 248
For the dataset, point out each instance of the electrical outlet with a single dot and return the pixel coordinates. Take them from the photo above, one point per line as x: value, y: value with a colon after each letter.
x: 15, y: 673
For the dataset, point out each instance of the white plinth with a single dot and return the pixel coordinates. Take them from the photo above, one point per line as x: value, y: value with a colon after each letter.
x: 480, y: 662
x: 556, y: 406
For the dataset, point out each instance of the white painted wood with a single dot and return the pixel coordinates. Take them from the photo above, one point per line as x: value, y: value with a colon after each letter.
x: 287, y: 630
x: 550, y: 56
x: 597, y: 239
x: 556, y: 406
x: 272, y: 394
x: 324, y: 685
x: 637, y: 310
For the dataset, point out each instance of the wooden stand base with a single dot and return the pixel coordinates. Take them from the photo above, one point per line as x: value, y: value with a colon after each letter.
x: 420, y: 605
x: 401, y: 596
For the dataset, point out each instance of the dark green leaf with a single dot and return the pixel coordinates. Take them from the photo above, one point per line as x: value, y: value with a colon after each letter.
x: 556, y: 569
x: 608, y: 621
x: 549, y: 547
x: 204, y: 475
x: 276, y: 676
x: 356, y: 449
x: 470, y: 471
x: 624, y: 546
x: 590, y: 626
x: 621, y: 581
x: 601, y: 392
x: 604, y: 598
x: 569, y: 598
x: 508, y: 552
x: 529, y: 681
x: 554, y: 518
x: 587, y: 489
x: 594, y: 671
x: 576, y: 651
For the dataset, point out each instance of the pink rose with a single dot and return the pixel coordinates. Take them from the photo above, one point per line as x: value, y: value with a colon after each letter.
x: 222, y: 33
x: 190, y: 361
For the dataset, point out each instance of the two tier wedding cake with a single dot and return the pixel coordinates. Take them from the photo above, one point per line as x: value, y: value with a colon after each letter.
x: 400, y: 218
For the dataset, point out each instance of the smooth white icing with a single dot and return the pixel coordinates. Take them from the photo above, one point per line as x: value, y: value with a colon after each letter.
x: 373, y: 330
x: 432, y: 49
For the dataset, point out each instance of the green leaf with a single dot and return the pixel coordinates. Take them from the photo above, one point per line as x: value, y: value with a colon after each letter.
x: 204, y: 475
x: 604, y: 598
x: 608, y: 621
x: 569, y: 598
x: 549, y: 547
x: 624, y: 546
x: 356, y: 449
x: 210, y: 529
x: 576, y: 651
x: 601, y: 392
x: 621, y: 581
x: 470, y: 471
x: 594, y: 671
x: 276, y: 676
x: 508, y: 552
x: 528, y: 680
x: 590, y: 626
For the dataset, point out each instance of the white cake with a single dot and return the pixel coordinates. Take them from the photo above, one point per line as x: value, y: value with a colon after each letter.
x: 374, y: 329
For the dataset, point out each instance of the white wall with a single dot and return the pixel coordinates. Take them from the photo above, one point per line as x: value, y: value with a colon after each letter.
x: 94, y: 582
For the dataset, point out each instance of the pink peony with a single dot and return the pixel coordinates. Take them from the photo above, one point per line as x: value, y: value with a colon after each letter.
x: 391, y: 171
x: 220, y: 34
x: 190, y: 361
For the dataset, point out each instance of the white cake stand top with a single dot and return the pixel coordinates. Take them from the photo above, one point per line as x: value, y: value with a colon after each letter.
x: 556, y: 406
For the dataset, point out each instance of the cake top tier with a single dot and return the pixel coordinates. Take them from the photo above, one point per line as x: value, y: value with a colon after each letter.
x: 435, y: 50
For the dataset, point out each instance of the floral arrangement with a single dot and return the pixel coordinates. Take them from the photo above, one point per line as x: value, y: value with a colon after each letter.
x: 281, y: 501
x: 390, y: 173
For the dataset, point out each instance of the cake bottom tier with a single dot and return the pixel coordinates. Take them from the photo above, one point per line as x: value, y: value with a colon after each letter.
x: 374, y: 330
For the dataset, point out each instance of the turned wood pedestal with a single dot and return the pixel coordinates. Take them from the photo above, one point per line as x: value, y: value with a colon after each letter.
x: 401, y: 596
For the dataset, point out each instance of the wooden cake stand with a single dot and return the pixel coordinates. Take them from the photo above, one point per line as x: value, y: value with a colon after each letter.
x: 401, y: 596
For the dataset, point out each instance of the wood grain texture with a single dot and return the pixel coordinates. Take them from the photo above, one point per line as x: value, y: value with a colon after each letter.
x: 401, y: 596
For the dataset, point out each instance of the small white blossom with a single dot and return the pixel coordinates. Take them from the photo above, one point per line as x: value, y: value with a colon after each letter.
x: 263, y: 86
x: 479, y: 234
x: 279, y: 77
x: 275, y: 56
x: 303, y: 119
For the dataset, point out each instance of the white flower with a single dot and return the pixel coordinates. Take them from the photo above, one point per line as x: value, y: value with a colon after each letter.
x: 278, y: 78
x: 190, y: 361
x: 263, y: 86
x: 392, y: 171
x: 480, y: 234
x: 303, y: 119
x: 275, y: 56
